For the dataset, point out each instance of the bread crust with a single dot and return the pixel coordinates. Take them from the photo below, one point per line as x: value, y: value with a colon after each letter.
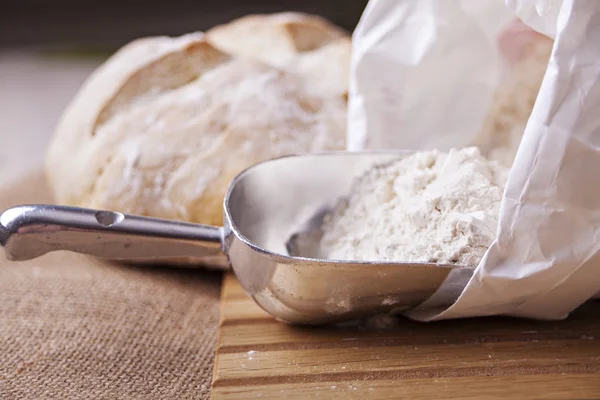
x: 162, y: 127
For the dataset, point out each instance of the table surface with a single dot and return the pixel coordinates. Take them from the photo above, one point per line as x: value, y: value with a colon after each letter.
x: 490, y: 358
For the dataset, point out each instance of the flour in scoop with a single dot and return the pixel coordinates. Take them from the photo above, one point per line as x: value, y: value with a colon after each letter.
x: 430, y: 206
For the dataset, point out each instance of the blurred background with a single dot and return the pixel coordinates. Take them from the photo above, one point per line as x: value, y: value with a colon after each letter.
x: 48, y: 48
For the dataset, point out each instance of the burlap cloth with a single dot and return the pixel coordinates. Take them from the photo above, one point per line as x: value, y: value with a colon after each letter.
x: 76, y: 328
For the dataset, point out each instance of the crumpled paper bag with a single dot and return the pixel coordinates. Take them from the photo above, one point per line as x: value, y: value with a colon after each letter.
x: 424, y: 74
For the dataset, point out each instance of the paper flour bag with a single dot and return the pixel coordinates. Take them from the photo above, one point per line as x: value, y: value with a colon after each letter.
x: 451, y: 73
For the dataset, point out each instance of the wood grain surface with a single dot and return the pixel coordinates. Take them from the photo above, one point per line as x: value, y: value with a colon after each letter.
x: 485, y: 358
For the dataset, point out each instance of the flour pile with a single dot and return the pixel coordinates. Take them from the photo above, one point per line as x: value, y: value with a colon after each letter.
x: 430, y: 206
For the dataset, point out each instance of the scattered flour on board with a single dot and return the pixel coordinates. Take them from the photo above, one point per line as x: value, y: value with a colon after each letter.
x: 430, y: 206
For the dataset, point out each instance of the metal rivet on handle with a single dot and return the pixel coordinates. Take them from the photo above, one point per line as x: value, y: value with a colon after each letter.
x: 109, y: 218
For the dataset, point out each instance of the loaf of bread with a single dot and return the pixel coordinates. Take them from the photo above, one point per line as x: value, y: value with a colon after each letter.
x: 163, y: 126
x: 307, y: 45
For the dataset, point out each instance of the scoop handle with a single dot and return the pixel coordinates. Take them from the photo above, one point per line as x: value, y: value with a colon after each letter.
x: 29, y: 231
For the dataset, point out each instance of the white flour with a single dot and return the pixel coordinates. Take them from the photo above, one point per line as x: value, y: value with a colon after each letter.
x: 431, y: 206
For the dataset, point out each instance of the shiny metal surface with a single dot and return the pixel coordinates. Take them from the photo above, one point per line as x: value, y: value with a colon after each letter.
x: 266, y: 206
x: 30, y: 231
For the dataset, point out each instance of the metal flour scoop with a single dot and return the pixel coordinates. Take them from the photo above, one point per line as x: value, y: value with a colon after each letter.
x: 265, y: 209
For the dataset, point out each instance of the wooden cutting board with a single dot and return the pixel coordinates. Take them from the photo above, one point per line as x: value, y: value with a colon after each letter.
x: 491, y: 358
